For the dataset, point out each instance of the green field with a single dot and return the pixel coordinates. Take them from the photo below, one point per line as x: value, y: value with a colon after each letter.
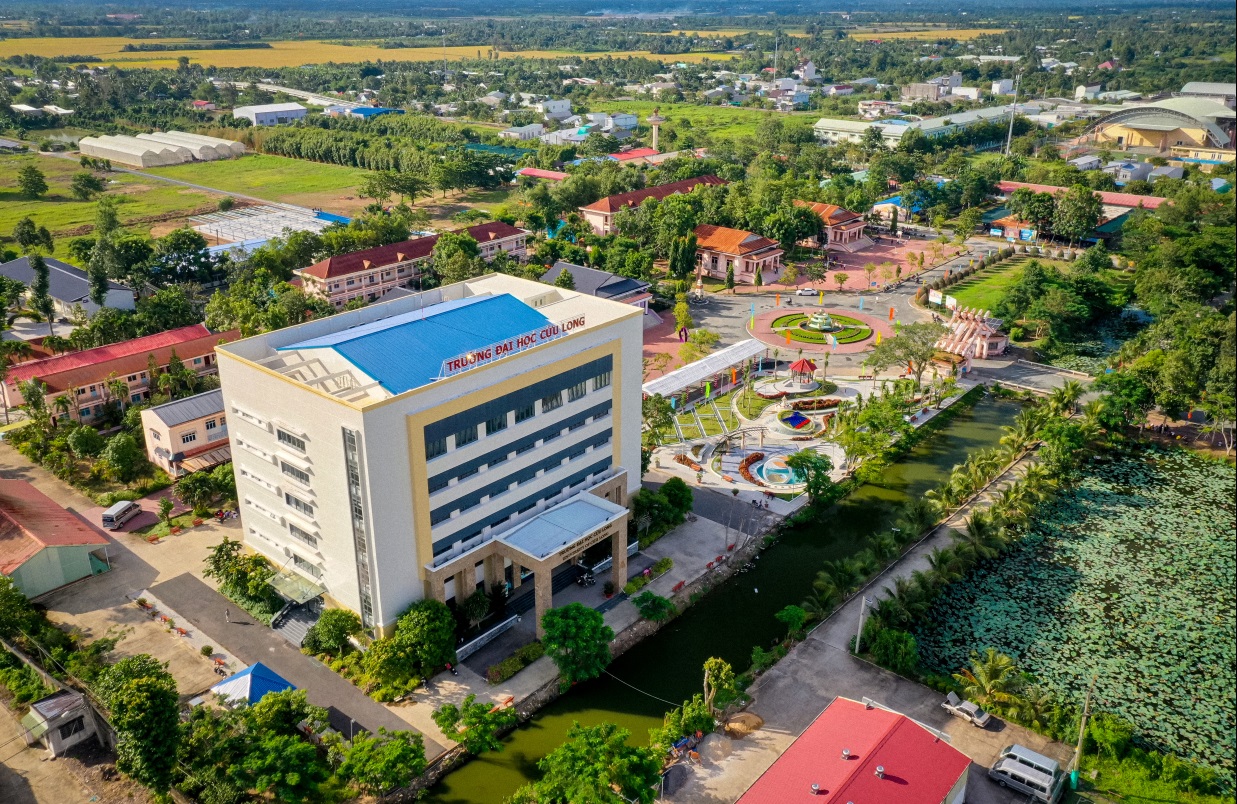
x: 276, y: 178
x: 718, y: 121
x: 984, y: 289
x: 141, y: 200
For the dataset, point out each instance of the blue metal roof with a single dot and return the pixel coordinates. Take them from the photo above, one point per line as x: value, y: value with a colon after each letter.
x: 252, y: 683
x: 406, y: 351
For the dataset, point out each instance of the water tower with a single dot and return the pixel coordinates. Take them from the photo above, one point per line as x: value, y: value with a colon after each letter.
x: 655, y: 120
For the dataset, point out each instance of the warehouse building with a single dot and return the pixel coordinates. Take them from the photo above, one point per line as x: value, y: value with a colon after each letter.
x: 271, y: 114
x: 159, y: 149
x: 481, y: 434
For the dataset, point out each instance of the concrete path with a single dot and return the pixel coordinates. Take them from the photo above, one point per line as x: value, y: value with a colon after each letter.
x: 251, y: 641
x: 792, y: 694
x: 1025, y: 374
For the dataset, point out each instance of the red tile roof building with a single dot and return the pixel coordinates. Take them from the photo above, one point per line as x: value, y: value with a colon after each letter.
x: 86, y: 373
x: 852, y: 753
x: 600, y: 214
x: 842, y: 229
x: 718, y: 249
x: 370, y: 273
x: 1126, y: 200
x: 43, y: 546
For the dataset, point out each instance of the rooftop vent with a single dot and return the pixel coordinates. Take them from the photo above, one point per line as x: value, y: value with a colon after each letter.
x: 880, y: 771
x: 815, y: 789
x: 845, y: 753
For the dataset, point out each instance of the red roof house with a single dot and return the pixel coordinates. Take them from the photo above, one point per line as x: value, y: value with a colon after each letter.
x: 541, y: 173
x: 852, y: 753
x: 1127, y: 200
x: 43, y: 546
x: 600, y: 214
x: 634, y: 153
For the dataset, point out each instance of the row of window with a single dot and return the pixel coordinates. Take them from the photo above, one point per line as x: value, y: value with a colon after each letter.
x: 467, y: 435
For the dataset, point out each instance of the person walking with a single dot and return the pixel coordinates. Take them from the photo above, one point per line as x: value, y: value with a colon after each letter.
x: 227, y: 615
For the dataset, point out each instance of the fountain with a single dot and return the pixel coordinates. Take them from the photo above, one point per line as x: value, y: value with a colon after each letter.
x: 822, y: 322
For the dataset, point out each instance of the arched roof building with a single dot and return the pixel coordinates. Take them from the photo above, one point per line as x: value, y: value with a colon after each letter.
x: 1168, y: 123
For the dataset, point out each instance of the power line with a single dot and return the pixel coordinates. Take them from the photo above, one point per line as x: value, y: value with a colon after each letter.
x: 642, y: 692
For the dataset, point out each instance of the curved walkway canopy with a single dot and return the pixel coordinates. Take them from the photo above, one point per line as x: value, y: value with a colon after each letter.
x: 704, y: 369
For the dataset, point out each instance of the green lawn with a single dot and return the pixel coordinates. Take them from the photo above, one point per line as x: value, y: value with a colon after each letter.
x: 140, y: 199
x: 275, y: 178
x: 719, y: 121
x: 984, y: 289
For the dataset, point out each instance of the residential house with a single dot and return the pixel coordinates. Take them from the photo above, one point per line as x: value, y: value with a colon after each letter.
x: 540, y: 173
x: 369, y: 273
x: 1087, y: 92
x: 1166, y: 172
x: 530, y: 132
x: 493, y: 99
x: 862, y: 752
x: 875, y: 109
x: 841, y: 229
x: 203, y: 106
x: 864, y: 84
x: 566, y: 136
x: 69, y: 286
x: 43, y: 546
x: 1125, y: 172
x: 84, y: 376
x: 603, y: 284
x: 188, y: 435
x: 270, y: 114
x: 806, y: 70
x: 838, y: 90
x: 969, y: 93
x: 1087, y: 162
x: 59, y: 721
x: 1004, y: 86
x: 600, y: 213
x: 923, y: 91
x: 550, y: 108
x: 718, y: 249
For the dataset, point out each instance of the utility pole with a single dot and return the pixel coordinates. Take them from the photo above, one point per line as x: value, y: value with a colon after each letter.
x: 1082, y: 730
x: 863, y: 607
x: 777, y: 40
x: 1012, y: 113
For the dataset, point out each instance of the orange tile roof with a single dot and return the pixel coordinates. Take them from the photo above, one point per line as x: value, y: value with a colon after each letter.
x: 31, y: 521
x: 613, y: 203
x: 731, y: 241
x: 1112, y: 199
x: 831, y: 214
x: 415, y: 249
x: 62, y: 372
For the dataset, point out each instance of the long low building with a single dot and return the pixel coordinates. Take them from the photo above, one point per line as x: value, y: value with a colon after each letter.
x: 160, y: 148
x: 69, y: 287
x: 834, y: 132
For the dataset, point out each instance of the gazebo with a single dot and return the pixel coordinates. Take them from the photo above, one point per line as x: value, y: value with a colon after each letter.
x: 251, y: 684
x: 803, y: 368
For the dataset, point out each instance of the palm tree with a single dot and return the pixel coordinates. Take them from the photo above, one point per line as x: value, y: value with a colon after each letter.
x: 992, y: 681
x: 1035, y: 707
x: 884, y: 546
x: 918, y: 515
x: 63, y: 404
x: 1022, y: 434
x: 982, y: 535
x: 1061, y: 401
x: 945, y: 565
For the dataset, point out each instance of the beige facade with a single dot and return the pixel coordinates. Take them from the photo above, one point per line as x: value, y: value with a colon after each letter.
x: 187, y: 434
x: 373, y: 466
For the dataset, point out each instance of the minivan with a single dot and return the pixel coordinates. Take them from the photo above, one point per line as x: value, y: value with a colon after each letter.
x: 1031, y: 759
x: 115, y: 517
x: 1038, y: 785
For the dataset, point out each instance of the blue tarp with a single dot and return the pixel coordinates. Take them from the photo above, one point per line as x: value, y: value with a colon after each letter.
x: 251, y: 684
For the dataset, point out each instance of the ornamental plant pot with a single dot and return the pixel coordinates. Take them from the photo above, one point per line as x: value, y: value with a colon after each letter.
x: 152, y: 539
x: 197, y: 522
x: 176, y: 530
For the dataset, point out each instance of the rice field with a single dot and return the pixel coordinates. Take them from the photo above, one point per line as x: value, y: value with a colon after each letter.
x: 283, y: 54
x: 929, y: 34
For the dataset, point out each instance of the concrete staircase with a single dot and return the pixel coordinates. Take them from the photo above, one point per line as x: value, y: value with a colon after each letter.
x: 296, y: 620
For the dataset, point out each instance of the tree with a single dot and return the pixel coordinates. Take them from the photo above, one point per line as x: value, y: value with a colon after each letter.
x: 992, y: 681
x: 969, y: 220
x: 166, y: 506
x: 31, y: 181
x: 378, y: 764
x: 913, y: 347
x: 31, y: 237
x: 141, y: 696
x: 1078, y: 212
x: 814, y: 468
x: 85, y: 442
x: 456, y: 258
x: 84, y: 185
x: 719, y: 684
x: 895, y: 650
x: 658, y: 415
x: 565, y: 280
x: 476, y: 607
x: 40, y: 296
x: 840, y: 278
x: 332, y: 631
x: 476, y: 726
x: 596, y: 765
x: 578, y: 640
x: 196, y: 490
x: 678, y: 494
x: 284, y: 765
x: 123, y: 457
x: 103, y: 263
x: 729, y: 275
x: 429, y: 628
x: 794, y: 618
x: 654, y: 607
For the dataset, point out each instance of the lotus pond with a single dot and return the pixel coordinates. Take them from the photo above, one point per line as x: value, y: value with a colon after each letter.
x: 1129, y: 574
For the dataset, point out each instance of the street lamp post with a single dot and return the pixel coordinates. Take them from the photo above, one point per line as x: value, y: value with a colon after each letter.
x: 864, y: 602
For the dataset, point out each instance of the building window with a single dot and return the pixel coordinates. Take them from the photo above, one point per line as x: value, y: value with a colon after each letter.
x: 434, y: 448
x: 298, y: 505
x: 551, y: 402
x: 293, y: 472
x: 577, y: 391
x: 211, y: 424
x: 303, y: 536
x: 287, y: 438
x: 525, y: 413
x: 72, y: 727
x: 305, y: 565
x: 602, y: 380
x: 496, y: 424
x: 188, y: 438
x: 466, y: 436
x: 438, y: 484
x: 155, y: 435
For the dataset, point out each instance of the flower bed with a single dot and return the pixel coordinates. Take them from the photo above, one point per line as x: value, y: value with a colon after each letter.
x: 853, y: 330
x: 745, y: 468
x: 523, y: 657
x: 815, y: 404
x: 688, y: 462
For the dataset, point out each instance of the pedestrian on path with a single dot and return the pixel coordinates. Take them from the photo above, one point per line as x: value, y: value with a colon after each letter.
x: 227, y: 615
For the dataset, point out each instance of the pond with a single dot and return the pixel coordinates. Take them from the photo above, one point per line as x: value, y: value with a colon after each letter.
x: 1130, y: 574
x: 660, y: 672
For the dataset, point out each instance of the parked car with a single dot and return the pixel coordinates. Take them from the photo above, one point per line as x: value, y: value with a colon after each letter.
x: 966, y: 710
x: 806, y: 292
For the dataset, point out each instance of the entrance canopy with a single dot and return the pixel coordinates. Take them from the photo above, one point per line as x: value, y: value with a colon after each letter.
x: 704, y: 369
x: 207, y: 459
x: 296, y: 587
x: 563, y: 527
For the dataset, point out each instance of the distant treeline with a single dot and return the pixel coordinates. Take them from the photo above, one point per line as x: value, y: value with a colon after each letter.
x: 30, y: 61
x: 155, y: 47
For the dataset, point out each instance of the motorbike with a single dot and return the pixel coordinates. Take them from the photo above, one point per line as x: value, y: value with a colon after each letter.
x: 586, y: 580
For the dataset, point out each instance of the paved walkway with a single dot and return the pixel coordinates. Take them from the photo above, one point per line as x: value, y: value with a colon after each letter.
x: 791, y: 694
x: 251, y: 641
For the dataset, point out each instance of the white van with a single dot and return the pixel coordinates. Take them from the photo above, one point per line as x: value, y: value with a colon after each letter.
x: 115, y: 517
x: 1038, y: 785
x: 1031, y: 759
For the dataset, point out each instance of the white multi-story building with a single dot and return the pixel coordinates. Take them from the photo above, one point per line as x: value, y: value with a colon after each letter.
x: 464, y: 437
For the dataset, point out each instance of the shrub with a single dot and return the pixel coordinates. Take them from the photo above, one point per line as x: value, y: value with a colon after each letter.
x: 207, y: 650
x: 523, y: 657
x: 663, y: 566
x: 654, y: 607
x: 895, y: 650
x: 635, y: 585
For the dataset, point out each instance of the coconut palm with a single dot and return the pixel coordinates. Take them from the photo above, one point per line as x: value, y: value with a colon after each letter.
x: 1022, y: 433
x: 62, y: 404
x: 947, y: 564
x: 884, y: 546
x: 983, y: 536
x: 992, y: 681
x: 1035, y: 707
x: 1061, y: 401
x: 825, y: 589
x: 918, y: 515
